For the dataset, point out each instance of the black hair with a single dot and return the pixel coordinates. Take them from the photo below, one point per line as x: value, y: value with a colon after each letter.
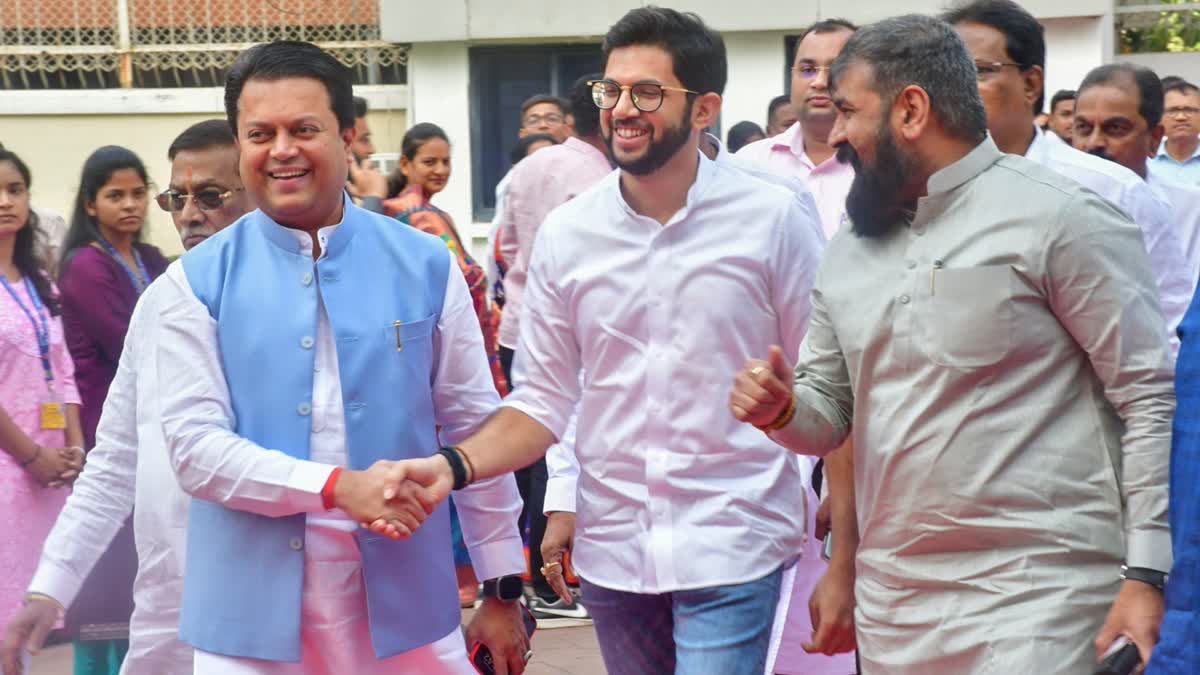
x: 1180, y: 85
x: 97, y: 170
x: 360, y: 107
x: 827, y: 26
x: 25, y: 254
x: 1024, y: 37
x: 775, y: 104
x: 544, y: 98
x: 583, y: 106
x: 1060, y: 96
x: 202, y: 136
x: 697, y: 51
x: 740, y: 133
x: 921, y: 51
x: 521, y: 149
x: 272, y: 61
x: 414, y: 138
x: 1149, y: 87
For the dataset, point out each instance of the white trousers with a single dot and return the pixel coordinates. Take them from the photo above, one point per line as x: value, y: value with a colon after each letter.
x: 334, y: 631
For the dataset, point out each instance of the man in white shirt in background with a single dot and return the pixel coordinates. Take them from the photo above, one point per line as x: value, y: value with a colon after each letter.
x: 128, y: 470
x: 655, y: 284
x: 1118, y: 116
x: 1009, y: 50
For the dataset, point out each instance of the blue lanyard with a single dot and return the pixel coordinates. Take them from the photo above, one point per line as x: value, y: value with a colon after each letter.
x: 40, y: 326
x: 139, y: 285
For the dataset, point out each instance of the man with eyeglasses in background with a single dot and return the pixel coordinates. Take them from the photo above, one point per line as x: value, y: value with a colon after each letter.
x: 1009, y: 50
x: 803, y: 150
x: 1178, y: 156
x: 128, y: 470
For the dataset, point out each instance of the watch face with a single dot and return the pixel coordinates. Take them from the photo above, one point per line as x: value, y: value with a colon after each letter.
x: 509, y: 588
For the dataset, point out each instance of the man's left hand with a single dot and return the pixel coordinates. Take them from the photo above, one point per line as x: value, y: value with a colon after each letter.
x: 1136, y: 614
x: 498, y: 625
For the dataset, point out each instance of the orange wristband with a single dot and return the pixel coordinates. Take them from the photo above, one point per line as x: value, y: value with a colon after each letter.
x: 330, y: 485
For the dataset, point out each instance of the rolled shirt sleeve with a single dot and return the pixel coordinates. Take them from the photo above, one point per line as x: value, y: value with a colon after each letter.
x: 1101, y: 289
x: 210, y: 460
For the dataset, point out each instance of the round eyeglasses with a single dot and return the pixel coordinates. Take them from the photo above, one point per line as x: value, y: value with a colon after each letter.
x: 646, y: 96
x: 208, y: 199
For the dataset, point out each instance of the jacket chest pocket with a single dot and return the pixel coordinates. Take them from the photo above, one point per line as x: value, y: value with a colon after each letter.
x: 411, y: 340
x: 967, y: 319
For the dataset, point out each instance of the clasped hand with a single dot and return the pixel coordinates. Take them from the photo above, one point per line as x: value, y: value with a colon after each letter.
x: 394, y: 498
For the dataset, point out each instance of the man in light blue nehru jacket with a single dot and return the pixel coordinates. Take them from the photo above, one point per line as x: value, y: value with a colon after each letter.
x: 303, y: 349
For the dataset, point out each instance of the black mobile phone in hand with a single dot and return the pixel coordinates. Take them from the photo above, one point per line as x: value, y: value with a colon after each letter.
x: 1122, y: 658
x: 481, y: 656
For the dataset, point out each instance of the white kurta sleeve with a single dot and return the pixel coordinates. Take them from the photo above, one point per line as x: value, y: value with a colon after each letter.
x: 463, y: 397
x: 210, y: 460
x: 102, y: 498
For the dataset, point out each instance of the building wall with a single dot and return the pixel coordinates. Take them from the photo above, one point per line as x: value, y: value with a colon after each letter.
x: 1183, y: 64
x: 757, y: 65
x: 54, y: 132
x: 420, y: 21
x: 1073, y: 47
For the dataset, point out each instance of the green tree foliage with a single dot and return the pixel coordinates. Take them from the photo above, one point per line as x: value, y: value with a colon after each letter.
x: 1170, y: 31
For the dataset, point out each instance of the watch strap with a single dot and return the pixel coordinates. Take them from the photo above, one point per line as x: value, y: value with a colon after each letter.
x: 504, y: 588
x: 1155, y: 578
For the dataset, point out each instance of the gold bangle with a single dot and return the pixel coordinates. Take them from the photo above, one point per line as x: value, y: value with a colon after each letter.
x: 784, y: 417
x: 30, y: 597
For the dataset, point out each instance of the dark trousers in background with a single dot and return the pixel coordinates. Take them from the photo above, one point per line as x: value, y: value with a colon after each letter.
x: 531, y: 483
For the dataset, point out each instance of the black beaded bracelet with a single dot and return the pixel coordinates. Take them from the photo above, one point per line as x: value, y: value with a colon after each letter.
x: 456, y: 467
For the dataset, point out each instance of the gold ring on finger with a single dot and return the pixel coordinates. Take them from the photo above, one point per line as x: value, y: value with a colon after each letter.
x: 551, y: 567
x: 754, y: 372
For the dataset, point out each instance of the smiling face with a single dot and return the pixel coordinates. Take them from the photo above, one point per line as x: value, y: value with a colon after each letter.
x: 207, y: 170
x: 429, y: 167
x: 810, y: 76
x: 1109, y: 125
x: 293, y: 156
x: 120, y: 204
x: 642, y: 142
x: 14, y: 200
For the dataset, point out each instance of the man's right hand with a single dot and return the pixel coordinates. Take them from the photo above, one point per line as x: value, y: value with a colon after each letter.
x: 431, y: 474
x: 762, y: 390
x: 367, y: 180
x: 27, y: 632
x: 831, y: 609
x: 558, y: 540
x: 393, y: 509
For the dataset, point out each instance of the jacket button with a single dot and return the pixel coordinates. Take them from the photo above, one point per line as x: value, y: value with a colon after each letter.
x: 306, y: 279
x: 306, y: 342
x: 304, y: 408
x: 297, y: 543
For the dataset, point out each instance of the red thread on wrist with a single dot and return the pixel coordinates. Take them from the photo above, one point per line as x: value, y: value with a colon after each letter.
x: 328, y: 490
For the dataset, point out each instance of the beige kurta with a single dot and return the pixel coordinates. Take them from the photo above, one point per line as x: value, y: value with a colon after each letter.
x: 1004, y: 362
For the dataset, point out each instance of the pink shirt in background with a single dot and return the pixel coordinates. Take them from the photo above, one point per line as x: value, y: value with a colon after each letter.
x: 541, y: 182
x: 828, y: 181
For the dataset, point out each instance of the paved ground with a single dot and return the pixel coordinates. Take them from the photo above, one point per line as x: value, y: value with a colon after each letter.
x: 556, y: 651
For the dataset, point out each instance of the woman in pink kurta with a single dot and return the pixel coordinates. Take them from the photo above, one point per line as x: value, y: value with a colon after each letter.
x: 40, y: 433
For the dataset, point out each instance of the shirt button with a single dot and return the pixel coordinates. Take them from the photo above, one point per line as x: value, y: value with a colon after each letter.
x: 306, y: 342
x: 306, y: 279
x: 904, y: 299
x: 919, y: 230
x: 911, y: 264
x: 296, y: 543
x: 304, y: 408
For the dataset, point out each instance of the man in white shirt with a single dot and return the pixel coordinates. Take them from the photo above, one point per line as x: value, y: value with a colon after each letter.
x: 379, y: 344
x: 1120, y: 119
x: 128, y: 467
x: 1009, y: 50
x: 656, y: 283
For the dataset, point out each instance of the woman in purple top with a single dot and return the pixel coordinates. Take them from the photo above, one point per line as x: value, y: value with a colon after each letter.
x: 105, y: 268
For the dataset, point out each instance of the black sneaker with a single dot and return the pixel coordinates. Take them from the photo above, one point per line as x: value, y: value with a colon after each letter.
x: 554, y: 613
